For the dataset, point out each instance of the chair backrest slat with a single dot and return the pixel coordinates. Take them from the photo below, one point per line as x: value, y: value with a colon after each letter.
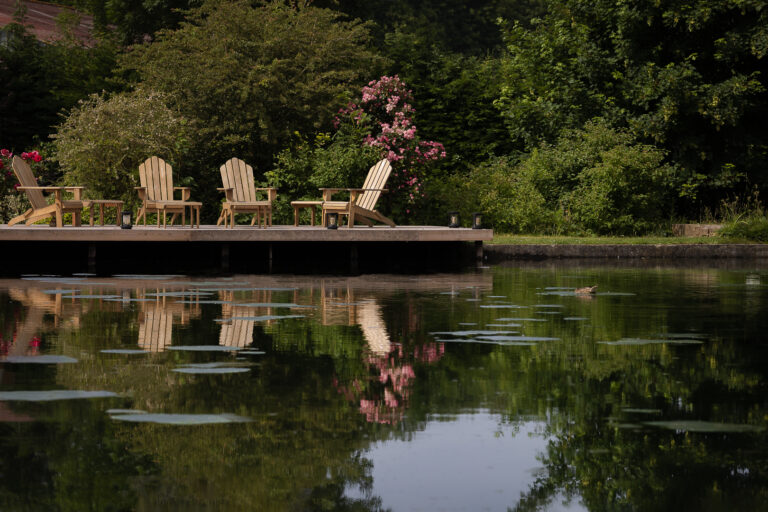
x: 156, y: 176
x: 238, y: 176
x: 377, y: 179
x: 27, y: 179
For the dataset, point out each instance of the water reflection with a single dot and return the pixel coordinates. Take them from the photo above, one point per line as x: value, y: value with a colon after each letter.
x: 501, y: 388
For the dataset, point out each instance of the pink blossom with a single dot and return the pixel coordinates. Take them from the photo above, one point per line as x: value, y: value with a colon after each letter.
x: 25, y: 156
x: 6, y: 153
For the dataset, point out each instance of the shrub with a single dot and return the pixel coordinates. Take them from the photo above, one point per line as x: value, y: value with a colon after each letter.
x: 103, y: 140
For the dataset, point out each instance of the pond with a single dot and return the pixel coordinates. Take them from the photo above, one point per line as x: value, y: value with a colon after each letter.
x: 501, y: 388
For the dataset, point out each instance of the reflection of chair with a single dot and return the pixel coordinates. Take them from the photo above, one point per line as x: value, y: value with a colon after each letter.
x: 374, y: 329
x: 237, y: 178
x: 362, y: 201
x: 337, y: 306
x: 40, y: 207
x: 155, y: 328
x: 236, y: 333
x: 156, y: 191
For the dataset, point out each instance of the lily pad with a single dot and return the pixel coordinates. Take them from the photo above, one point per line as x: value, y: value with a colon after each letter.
x: 105, y: 297
x: 181, y: 419
x: 217, y: 364
x: 641, y: 411
x: 124, y: 351
x: 252, y: 352
x: 125, y: 411
x: 488, y: 342
x: 548, y: 306
x: 705, y: 426
x: 639, y: 341
x: 575, y: 318
x: 520, y: 320
x: 470, y: 333
x: 44, y: 359
x: 54, y: 394
x: 272, y: 305
x: 502, y: 306
x: 205, y: 348
x: 517, y: 338
x: 211, y: 370
x: 176, y: 294
x: 262, y: 318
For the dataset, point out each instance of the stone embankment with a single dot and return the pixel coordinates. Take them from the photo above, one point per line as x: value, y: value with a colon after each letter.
x: 496, y: 253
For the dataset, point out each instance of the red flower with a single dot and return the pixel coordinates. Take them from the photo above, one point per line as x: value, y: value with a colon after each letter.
x: 25, y: 156
x: 6, y: 153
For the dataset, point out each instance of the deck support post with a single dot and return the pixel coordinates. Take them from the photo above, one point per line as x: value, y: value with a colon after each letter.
x: 479, y: 256
x: 92, y: 258
x: 353, y: 260
x: 225, y: 257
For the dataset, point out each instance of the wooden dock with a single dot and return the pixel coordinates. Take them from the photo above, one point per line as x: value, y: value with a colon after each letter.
x: 289, y: 249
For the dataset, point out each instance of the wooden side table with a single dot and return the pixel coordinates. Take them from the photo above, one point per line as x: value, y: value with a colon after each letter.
x: 104, y: 203
x: 298, y: 205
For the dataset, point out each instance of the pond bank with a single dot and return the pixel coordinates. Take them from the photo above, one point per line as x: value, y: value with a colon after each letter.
x: 501, y: 252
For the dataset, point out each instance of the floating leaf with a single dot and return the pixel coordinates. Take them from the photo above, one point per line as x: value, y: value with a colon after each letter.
x: 124, y: 351
x: 205, y: 348
x: 502, y: 306
x: 262, y: 318
x: 517, y: 338
x: 211, y: 370
x: 55, y: 394
x: 470, y: 333
x: 181, y: 419
x: 575, y: 318
x: 44, y: 359
x: 641, y: 411
x: 705, y: 426
x: 125, y: 411
x: 639, y: 341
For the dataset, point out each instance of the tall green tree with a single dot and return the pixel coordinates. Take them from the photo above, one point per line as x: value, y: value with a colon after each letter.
x: 247, y: 78
x: 688, y: 76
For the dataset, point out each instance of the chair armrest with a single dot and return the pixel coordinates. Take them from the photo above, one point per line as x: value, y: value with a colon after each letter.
x: 142, y: 192
x: 228, y: 192
x: 77, y: 191
x: 185, y: 192
x: 271, y: 192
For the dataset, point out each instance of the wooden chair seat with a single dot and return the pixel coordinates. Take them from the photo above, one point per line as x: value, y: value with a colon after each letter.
x: 40, y: 208
x: 157, y: 191
x: 362, y: 201
x: 241, y: 195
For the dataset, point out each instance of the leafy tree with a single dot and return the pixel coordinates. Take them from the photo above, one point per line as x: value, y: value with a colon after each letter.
x: 689, y: 77
x: 103, y: 140
x: 248, y: 78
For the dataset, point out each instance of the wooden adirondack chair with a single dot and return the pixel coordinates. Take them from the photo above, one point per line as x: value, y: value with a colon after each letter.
x: 362, y: 201
x: 40, y: 207
x: 156, y: 191
x: 240, y: 191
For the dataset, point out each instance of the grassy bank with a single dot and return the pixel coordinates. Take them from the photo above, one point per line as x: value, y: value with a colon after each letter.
x: 586, y: 240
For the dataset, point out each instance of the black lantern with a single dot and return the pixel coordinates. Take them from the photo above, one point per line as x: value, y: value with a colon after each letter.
x: 333, y: 221
x: 477, y: 220
x: 126, y: 222
x: 455, y: 220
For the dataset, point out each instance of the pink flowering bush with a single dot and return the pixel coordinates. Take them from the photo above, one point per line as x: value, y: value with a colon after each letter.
x: 386, y: 110
x: 12, y: 202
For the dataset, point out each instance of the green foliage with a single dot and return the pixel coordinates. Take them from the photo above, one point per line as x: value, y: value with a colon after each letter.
x: 508, y: 199
x: 39, y: 80
x: 744, y: 218
x: 595, y: 180
x: 690, y: 79
x: 248, y: 78
x: 327, y: 161
x: 103, y: 140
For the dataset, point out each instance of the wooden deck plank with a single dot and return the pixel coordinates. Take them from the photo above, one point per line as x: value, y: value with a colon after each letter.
x: 212, y: 233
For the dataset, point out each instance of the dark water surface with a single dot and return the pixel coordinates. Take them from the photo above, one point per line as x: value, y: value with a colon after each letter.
x: 496, y: 389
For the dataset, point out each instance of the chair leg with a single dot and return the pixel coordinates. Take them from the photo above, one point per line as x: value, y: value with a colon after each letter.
x: 20, y: 218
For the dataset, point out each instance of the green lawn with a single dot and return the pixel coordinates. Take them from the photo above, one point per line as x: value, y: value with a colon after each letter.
x: 585, y: 240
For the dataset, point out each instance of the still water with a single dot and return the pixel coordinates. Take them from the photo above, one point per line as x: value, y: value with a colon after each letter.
x: 497, y: 389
